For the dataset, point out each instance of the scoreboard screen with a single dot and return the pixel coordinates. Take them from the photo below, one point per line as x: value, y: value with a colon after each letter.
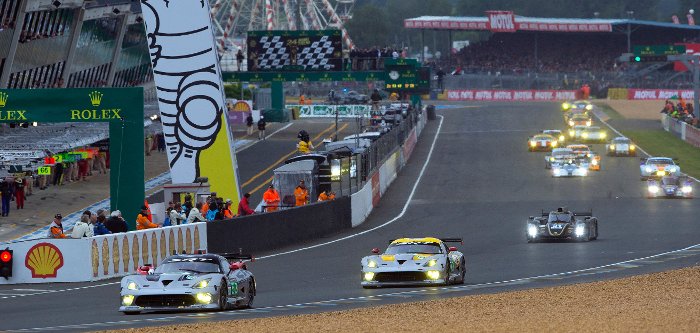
x: 308, y: 50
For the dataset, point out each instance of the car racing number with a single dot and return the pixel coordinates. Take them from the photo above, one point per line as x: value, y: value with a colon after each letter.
x: 232, y: 288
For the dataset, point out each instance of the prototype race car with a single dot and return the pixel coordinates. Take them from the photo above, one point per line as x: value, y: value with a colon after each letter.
x: 580, y: 119
x: 189, y: 282
x: 585, y: 151
x: 593, y: 134
x: 562, y: 224
x: 658, y: 167
x: 577, y: 105
x: 670, y: 187
x: 569, y: 114
x: 559, y: 135
x: 621, y: 146
x: 414, y: 261
x: 570, y: 167
x: 541, y: 142
x: 576, y: 131
x: 557, y: 156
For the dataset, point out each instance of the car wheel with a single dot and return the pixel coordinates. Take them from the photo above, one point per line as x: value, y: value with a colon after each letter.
x: 131, y: 313
x: 463, y: 272
x: 251, y: 294
x: 596, y: 232
x: 223, y: 296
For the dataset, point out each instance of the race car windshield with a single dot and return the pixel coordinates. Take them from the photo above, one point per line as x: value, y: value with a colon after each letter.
x: 593, y: 129
x: 561, y: 153
x: 542, y: 137
x: 621, y: 141
x: 669, y: 181
x: 189, y: 266
x: 559, y: 217
x: 660, y: 161
x: 427, y: 248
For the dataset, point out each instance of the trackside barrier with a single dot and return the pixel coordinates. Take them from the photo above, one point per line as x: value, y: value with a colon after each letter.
x: 681, y: 129
x: 262, y: 232
x: 510, y: 95
x: 100, y: 257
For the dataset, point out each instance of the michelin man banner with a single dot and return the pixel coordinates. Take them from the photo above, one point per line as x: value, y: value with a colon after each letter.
x: 190, y: 94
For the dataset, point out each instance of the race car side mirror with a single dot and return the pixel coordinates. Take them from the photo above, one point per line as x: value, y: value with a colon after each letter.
x: 375, y: 250
x: 452, y: 248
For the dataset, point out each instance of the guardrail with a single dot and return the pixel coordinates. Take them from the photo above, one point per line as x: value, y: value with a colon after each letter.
x: 681, y: 129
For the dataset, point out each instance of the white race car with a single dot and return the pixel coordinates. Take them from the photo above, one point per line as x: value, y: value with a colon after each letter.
x: 557, y: 156
x: 570, y: 167
x: 414, y: 261
x: 621, y: 146
x: 658, y: 167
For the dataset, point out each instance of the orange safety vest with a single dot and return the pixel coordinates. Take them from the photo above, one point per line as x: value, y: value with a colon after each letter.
x: 272, y: 200
x: 301, y: 195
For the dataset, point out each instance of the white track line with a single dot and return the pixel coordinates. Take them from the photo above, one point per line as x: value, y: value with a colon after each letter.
x: 640, y: 148
x: 403, y: 211
x: 267, y: 137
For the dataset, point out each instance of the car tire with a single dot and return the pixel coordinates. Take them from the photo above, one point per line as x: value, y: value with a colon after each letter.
x: 223, y: 296
x: 251, y: 294
x: 463, y: 271
x: 596, y: 232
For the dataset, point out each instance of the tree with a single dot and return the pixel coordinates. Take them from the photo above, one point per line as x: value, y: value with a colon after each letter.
x: 368, y: 26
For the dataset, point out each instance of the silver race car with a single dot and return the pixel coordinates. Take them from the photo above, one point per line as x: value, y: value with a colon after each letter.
x: 414, y: 261
x: 189, y: 282
x: 670, y: 187
x: 570, y: 167
x: 658, y: 167
x: 621, y: 146
x: 557, y: 156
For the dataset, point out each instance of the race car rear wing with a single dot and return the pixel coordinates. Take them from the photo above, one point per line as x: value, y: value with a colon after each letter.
x: 452, y: 240
x: 588, y: 213
x: 237, y: 256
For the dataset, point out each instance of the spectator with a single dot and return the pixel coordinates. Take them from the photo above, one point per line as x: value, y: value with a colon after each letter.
x: 142, y: 221
x: 244, y: 206
x: 100, y: 228
x: 228, y: 213
x: 212, y: 212
x: 271, y: 198
x: 19, y: 193
x: 249, y: 123
x: 326, y: 196
x: 195, y: 214
x: 239, y: 58
x: 176, y: 216
x: 261, y: 128
x: 375, y: 98
x: 115, y: 223
x: 82, y: 228
x: 56, y: 228
x: 6, y: 193
x: 301, y: 194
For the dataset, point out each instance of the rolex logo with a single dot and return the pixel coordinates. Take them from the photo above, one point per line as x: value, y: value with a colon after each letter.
x: 3, y: 99
x: 95, y: 98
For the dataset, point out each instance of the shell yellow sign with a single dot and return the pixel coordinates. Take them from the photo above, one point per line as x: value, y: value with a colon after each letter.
x: 44, y: 260
x: 242, y: 106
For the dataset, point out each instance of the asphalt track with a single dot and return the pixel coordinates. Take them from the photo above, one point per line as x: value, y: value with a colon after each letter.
x: 480, y: 184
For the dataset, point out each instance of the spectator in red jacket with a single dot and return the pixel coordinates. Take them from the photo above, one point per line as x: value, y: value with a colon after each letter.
x: 244, y: 206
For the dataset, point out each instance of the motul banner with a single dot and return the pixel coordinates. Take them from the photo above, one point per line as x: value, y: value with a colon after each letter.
x: 641, y: 94
x: 501, y: 21
x: 511, y: 95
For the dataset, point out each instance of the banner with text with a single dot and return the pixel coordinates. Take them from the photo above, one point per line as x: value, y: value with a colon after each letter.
x: 344, y: 111
x: 641, y: 94
x: 510, y: 95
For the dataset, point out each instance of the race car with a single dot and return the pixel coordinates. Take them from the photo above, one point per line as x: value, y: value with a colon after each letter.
x: 562, y: 224
x: 557, y: 155
x: 569, y: 114
x: 593, y: 134
x: 585, y: 151
x: 559, y: 135
x: 580, y: 119
x: 570, y: 167
x: 658, y: 167
x: 576, y: 131
x: 541, y: 142
x: 621, y: 146
x: 577, y: 105
x: 189, y: 282
x: 414, y: 261
x: 670, y: 187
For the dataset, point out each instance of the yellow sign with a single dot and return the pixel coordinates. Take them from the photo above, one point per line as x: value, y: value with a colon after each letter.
x: 95, y: 114
x: 13, y: 115
x: 45, y: 170
x: 95, y: 98
x: 3, y: 99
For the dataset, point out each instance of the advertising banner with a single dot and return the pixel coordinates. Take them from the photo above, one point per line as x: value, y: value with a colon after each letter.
x: 642, y: 94
x: 190, y: 93
x: 49, y: 260
x: 320, y: 50
x: 511, y: 95
x: 238, y: 110
x: 344, y: 111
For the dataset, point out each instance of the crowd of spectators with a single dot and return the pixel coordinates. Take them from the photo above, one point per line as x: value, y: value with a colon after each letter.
x: 373, y: 58
x: 682, y: 111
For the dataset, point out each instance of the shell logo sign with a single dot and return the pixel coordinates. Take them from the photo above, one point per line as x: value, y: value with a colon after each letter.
x: 44, y: 260
x: 242, y: 106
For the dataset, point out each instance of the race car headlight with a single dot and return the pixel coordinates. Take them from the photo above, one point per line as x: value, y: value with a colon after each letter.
x: 579, y: 230
x: 653, y: 189
x: 661, y: 173
x: 584, y: 135
x: 433, y: 275
x: 431, y: 263
x: 372, y: 264
x: 127, y: 300
x: 554, y: 143
x: 551, y: 159
x: 687, y: 189
x: 612, y: 147
x: 632, y: 147
x: 603, y: 135
x: 131, y: 285
x: 201, y: 284
x: 589, y: 123
x: 672, y: 169
x: 556, y: 170
x: 369, y: 276
x: 572, y: 133
x: 562, y: 138
x: 204, y: 298
x: 648, y: 169
x: 533, y: 143
x: 594, y: 162
x: 583, y: 171
x: 565, y: 106
x: 589, y: 107
x: 571, y: 123
x: 532, y: 230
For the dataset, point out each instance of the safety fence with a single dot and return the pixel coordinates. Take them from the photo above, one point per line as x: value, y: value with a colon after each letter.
x: 681, y: 129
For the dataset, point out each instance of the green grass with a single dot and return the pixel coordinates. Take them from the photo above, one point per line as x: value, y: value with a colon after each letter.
x: 662, y: 143
x: 609, y: 111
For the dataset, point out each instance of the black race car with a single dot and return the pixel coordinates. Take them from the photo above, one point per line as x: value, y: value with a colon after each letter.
x: 562, y: 224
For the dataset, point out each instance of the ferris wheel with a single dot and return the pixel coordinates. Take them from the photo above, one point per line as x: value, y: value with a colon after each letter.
x: 233, y: 18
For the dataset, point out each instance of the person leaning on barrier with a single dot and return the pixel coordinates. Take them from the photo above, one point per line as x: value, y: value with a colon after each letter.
x: 326, y: 196
x: 56, y: 228
x: 115, y: 223
x: 271, y: 198
x: 176, y: 216
x: 100, y: 228
x: 301, y: 194
x: 195, y: 215
x: 142, y: 221
x: 228, y: 213
x: 82, y: 228
x: 244, y: 206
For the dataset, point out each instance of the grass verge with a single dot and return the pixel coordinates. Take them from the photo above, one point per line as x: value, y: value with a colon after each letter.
x: 662, y: 143
x: 609, y: 111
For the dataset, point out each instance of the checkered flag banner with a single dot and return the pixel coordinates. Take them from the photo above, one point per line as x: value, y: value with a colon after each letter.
x: 294, y: 50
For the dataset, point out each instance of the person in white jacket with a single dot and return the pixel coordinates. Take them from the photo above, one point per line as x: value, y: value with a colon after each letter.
x: 176, y: 215
x: 196, y: 215
x: 83, y: 228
